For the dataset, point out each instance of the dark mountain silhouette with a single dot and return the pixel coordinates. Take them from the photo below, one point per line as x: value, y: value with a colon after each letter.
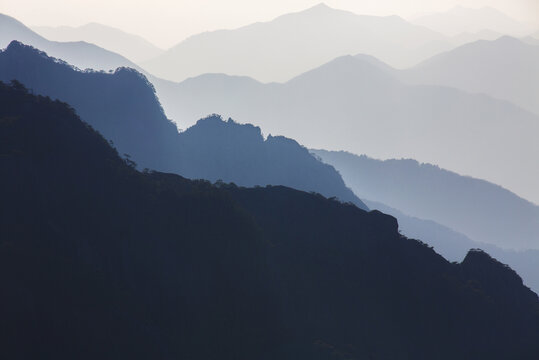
x: 79, y: 53
x: 102, y: 261
x: 267, y: 52
x: 131, y: 46
x: 454, y: 246
x: 353, y: 104
x: 123, y: 107
x: 217, y: 150
x: 506, y: 68
x: 481, y: 210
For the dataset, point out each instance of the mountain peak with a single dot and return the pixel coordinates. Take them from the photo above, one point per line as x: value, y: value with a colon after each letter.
x: 320, y: 8
x: 321, y: 5
x: 17, y: 47
x: 481, y: 266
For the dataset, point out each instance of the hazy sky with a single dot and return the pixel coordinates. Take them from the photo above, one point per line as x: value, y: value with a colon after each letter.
x: 166, y: 22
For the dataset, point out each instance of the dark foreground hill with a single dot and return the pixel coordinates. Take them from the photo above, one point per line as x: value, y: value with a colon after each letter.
x: 123, y: 107
x: 99, y: 260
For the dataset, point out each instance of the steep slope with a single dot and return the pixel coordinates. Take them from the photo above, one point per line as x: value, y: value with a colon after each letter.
x: 506, y: 68
x: 481, y: 210
x: 131, y: 46
x: 353, y: 105
x: 461, y: 19
x: 454, y: 246
x: 195, y: 271
x: 123, y: 107
x: 80, y: 54
x: 293, y: 43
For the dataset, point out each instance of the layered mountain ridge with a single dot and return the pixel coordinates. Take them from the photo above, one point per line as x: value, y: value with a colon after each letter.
x: 123, y: 106
x: 296, y: 275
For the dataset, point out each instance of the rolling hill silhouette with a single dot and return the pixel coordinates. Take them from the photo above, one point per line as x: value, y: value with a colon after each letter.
x: 293, y: 43
x: 131, y: 46
x: 352, y: 104
x: 123, y: 107
x: 100, y: 260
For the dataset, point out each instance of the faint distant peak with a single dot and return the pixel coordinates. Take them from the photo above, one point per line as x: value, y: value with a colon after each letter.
x: 320, y: 9
x: 374, y: 61
x: 508, y: 39
x: 501, y: 42
x: 320, y: 6
x: 484, y: 9
x: 350, y: 62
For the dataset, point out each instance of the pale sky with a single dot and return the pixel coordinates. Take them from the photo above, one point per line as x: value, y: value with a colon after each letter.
x: 167, y: 22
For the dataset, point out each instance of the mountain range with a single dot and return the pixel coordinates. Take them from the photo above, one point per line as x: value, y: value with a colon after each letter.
x: 214, y: 149
x: 294, y: 43
x: 506, y: 68
x: 483, y: 211
x: 124, y: 108
x: 162, y: 267
x: 356, y: 104
x: 79, y: 53
x: 125, y: 234
x: 133, y: 47
x: 450, y: 212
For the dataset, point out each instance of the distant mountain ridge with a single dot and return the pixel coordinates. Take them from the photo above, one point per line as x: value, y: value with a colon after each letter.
x: 506, y: 68
x: 481, y: 210
x: 356, y: 104
x: 131, y: 46
x: 123, y: 106
x: 290, y: 44
x: 80, y: 54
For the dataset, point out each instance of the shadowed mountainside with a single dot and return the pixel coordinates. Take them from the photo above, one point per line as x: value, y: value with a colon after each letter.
x: 163, y: 267
x: 217, y: 150
x: 123, y: 107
